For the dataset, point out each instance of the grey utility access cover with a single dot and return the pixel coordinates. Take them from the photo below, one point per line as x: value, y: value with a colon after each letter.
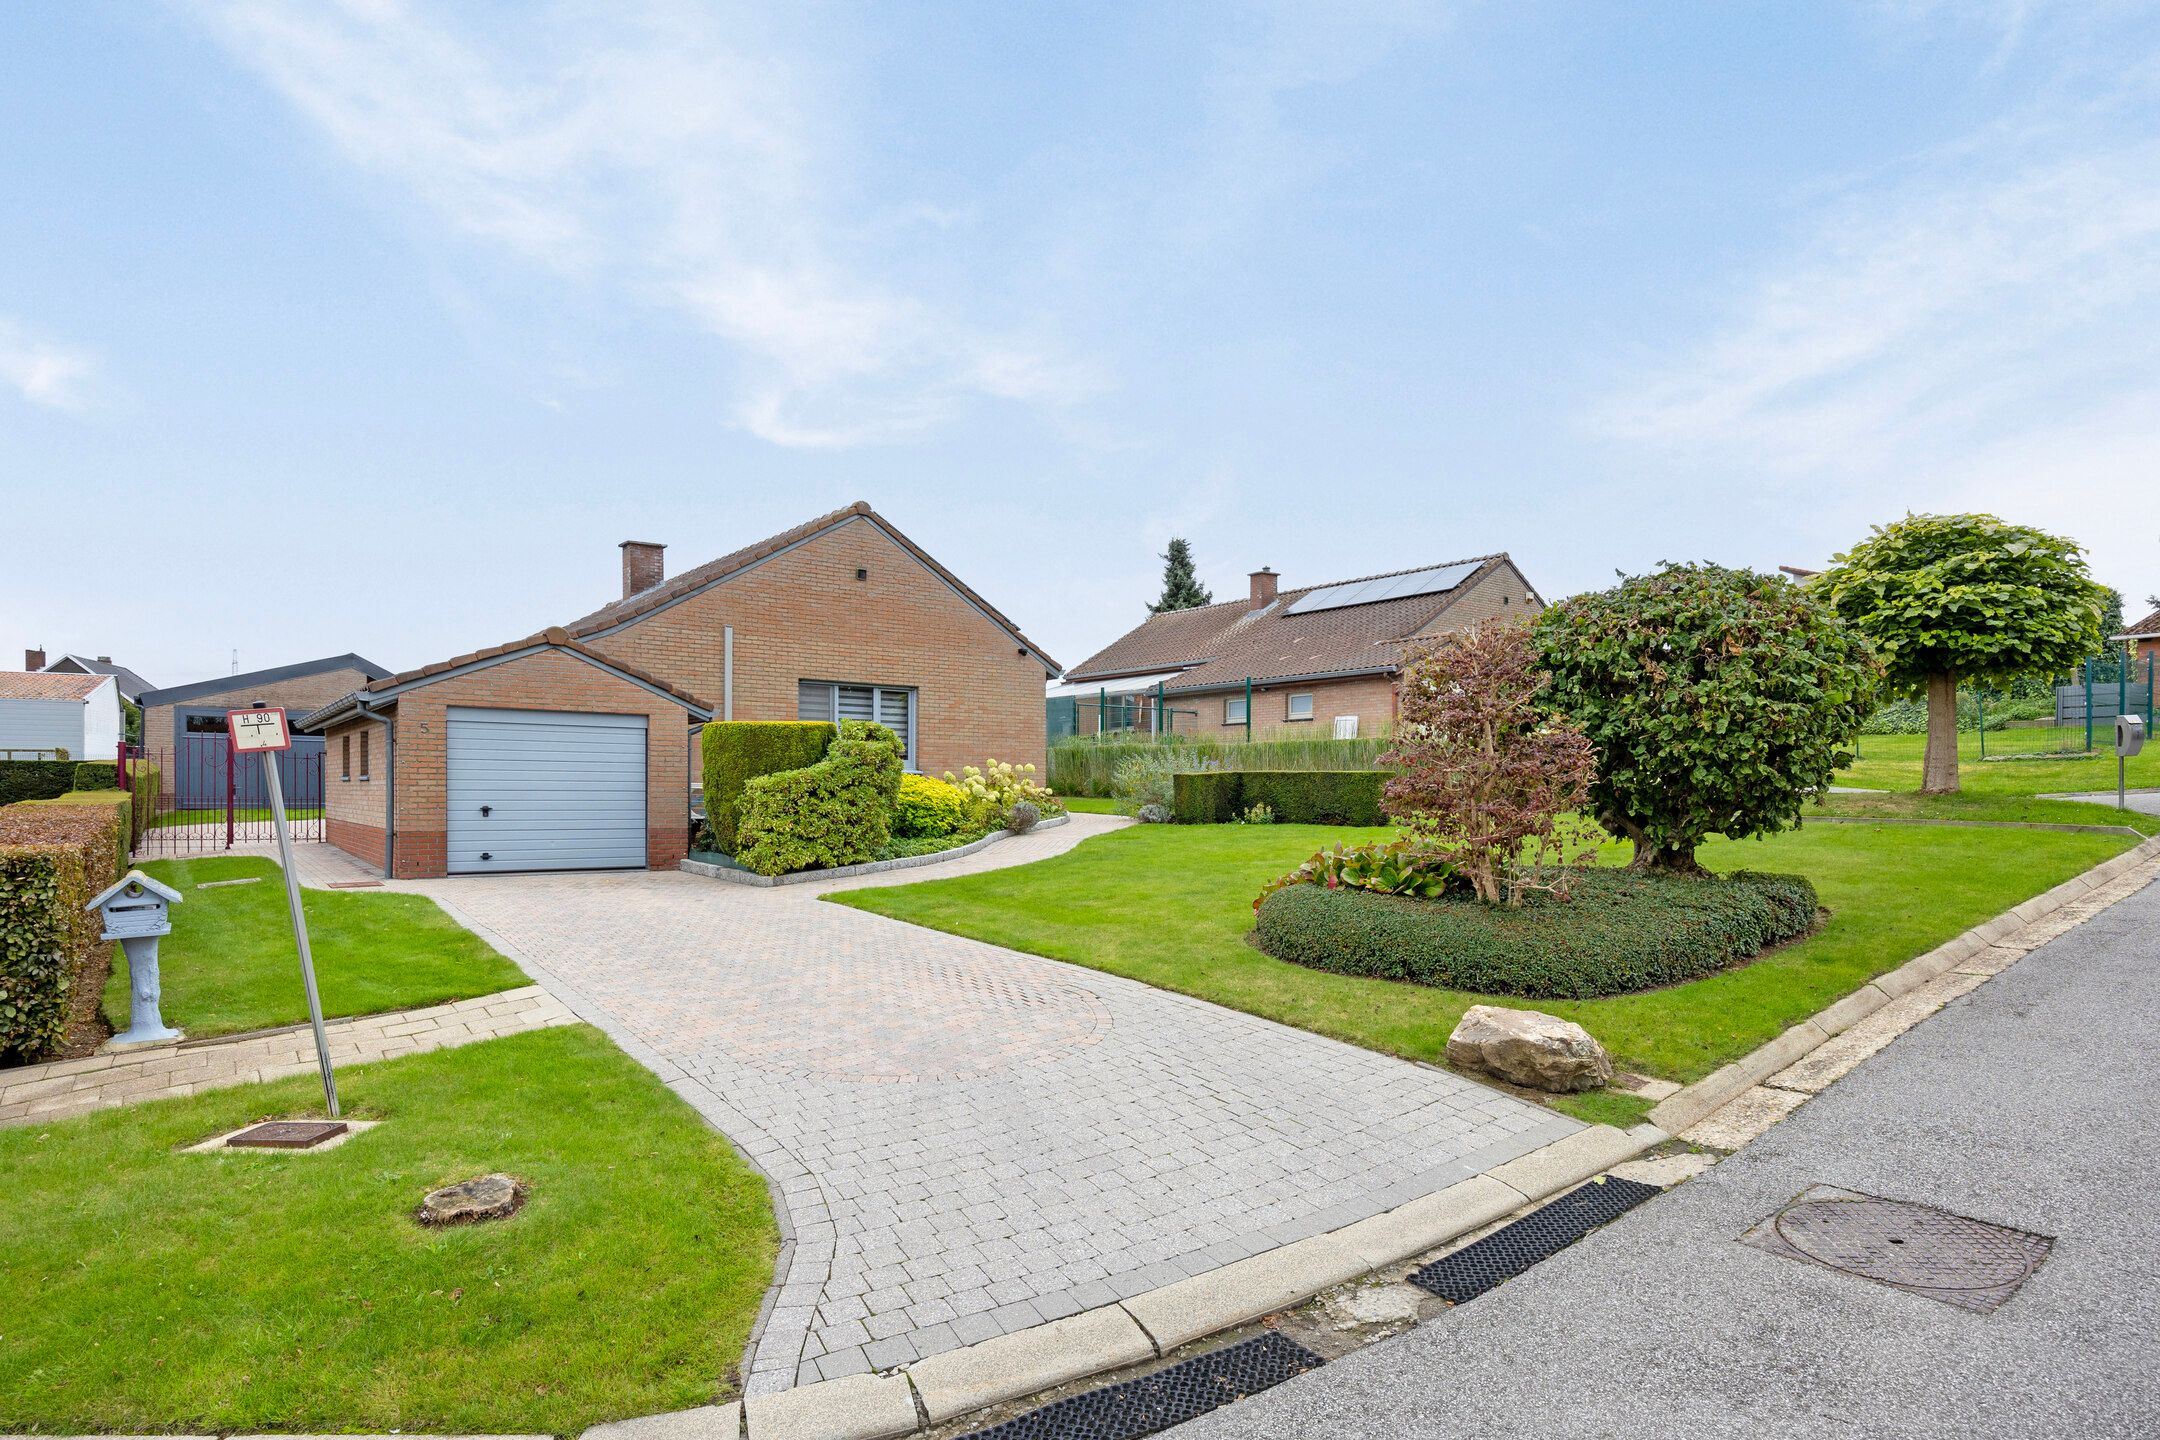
x: 1969, y: 1263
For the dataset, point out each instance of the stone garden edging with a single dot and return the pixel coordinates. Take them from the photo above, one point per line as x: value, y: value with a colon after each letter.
x: 867, y: 867
x: 1691, y: 1103
x: 2060, y: 827
x: 1155, y: 1323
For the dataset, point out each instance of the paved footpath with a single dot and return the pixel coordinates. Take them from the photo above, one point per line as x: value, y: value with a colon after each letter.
x: 2031, y: 1102
x: 969, y: 1141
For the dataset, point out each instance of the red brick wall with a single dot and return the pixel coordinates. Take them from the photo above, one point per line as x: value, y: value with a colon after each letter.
x: 549, y: 680
x: 803, y: 615
x: 353, y: 806
x: 1369, y: 697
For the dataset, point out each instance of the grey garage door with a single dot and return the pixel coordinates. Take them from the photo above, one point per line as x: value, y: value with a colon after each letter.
x: 545, y: 790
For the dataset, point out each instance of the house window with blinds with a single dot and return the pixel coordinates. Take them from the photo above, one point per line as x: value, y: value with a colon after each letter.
x: 892, y: 706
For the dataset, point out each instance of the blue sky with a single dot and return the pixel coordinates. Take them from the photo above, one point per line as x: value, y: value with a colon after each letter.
x: 374, y: 326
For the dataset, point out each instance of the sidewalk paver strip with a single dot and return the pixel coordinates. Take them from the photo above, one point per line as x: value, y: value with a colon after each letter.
x: 1170, y: 1396
x: 858, y: 1407
x: 1469, y: 1272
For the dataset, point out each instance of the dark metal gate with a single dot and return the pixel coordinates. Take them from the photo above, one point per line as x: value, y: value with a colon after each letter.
x: 205, y: 802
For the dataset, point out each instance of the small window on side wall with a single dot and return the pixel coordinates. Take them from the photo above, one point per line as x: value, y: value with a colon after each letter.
x: 345, y: 757
x: 1300, y: 707
x: 1233, y: 710
x: 1346, y: 727
x: 363, y: 755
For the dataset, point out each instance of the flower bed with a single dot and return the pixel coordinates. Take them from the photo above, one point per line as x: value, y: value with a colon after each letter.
x: 1622, y: 930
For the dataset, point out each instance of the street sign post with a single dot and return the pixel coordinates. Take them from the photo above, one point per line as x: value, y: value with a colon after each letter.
x: 263, y: 730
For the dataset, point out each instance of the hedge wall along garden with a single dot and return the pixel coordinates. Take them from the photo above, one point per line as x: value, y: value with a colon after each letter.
x: 738, y: 751
x: 53, y: 858
x: 1298, y: 797
x: 836, y: 812
x: 1623, y: 930
x: 35, y: 779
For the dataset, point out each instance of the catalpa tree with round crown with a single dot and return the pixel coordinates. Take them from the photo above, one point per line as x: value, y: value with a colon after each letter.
x: 1951, y: 598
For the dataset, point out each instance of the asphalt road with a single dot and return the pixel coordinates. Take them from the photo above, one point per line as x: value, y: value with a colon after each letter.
x: 2033, y: 1102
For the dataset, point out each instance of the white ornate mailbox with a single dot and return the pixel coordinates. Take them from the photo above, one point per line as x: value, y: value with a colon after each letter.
x: 134, y: 908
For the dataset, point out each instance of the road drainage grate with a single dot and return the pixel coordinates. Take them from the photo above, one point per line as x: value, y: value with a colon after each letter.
x: 1167, y: 1397
x: 1917, y: 1248
x: 1509, y: 1251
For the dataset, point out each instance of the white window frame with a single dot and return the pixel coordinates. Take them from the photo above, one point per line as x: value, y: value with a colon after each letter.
x: 1234, y: 709
x: 877, y: 708
x: 1290, y: 706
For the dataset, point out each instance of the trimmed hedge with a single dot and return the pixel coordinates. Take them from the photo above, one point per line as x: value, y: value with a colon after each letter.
x: 35, y: 779
x: 738, y: 751
x: 53, y: 858
x: 836, y: 812
x: 119, y: 800
x: 927, y: 808
x: 96, y: 775
x: 1624, y: 930
x: 1298, y: 797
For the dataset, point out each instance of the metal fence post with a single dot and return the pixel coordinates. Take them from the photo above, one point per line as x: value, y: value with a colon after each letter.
x: 2088, y: 705
x: 1980, y: 699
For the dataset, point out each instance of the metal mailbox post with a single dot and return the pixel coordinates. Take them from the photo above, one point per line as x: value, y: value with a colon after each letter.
x: 2129, y: 739
x: 135, y: 908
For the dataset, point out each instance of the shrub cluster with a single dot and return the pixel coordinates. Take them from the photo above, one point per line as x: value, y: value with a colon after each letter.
x: 53, y: 858
x: 1622, y: 930
x: 738, y: 751
x: 35, y: 779
x: 835, y: 812
x: 1296, y: 797
x: 926, y: 808
x: 995, y: 787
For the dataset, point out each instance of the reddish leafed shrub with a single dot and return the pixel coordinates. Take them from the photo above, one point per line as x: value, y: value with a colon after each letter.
x: 1483, y: 768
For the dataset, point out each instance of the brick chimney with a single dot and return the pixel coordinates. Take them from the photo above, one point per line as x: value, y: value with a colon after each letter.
x: 641, y: 566
x: 33, y: 659
x: 1263, y: 587
x: 104, y: 659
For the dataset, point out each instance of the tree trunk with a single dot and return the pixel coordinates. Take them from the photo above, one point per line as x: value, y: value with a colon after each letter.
x: 1939, y: 772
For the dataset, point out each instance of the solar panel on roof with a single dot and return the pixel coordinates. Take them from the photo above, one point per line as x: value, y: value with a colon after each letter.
x: 1388, y: 587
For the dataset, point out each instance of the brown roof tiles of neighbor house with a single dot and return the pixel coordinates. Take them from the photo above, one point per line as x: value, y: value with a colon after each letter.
x: 1270, y: 639
x: 45, y: 685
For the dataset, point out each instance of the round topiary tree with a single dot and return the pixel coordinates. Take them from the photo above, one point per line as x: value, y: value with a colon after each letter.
x: 1717, y: 701
x: 1945, y: 598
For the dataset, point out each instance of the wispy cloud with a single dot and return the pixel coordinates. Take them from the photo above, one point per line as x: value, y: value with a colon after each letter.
x: 1940, y: 307
x: 653, y: 149
x: 54, y: 376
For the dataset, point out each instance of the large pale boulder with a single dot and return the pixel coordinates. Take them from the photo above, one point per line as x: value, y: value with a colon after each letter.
x: 1529, y: 1048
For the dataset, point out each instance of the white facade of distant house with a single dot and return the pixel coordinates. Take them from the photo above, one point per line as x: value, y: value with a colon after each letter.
x: 87, y: 728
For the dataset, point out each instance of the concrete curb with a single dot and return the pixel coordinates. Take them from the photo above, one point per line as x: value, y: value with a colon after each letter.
x: 1682, y: 1109
x: 868, y: 867
x: 953, y: 1383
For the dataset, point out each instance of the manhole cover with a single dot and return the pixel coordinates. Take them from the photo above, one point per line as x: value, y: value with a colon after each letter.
x: 1952, y: 1258
x: 287, y: 1135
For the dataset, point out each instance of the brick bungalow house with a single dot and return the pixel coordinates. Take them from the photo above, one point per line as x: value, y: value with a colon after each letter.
x: 576, y: 748
x: 1321, y: 659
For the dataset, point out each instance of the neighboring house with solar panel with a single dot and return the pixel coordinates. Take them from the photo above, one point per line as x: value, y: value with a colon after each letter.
x: 1321, y: 659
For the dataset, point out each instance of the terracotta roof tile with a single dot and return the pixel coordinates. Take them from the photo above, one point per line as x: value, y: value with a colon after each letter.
x: 1222, y: 645
x: 554, y: 636
x: 2150, y: 625
x: 713, y: 571
x: 45, y: 685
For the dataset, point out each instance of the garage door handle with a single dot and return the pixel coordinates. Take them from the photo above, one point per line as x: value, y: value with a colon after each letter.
x: 487, y: 809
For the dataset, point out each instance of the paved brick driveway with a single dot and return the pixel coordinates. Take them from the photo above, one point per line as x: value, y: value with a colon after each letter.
x: 968, y: 1140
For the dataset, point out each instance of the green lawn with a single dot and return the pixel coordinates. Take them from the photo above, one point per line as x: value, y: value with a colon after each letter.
x: 229, y: 963
x: 152, y: 1290
x: 1892, y: 762
x: 259, y: 814
x: 1171, y: 906
x: 1088, y: 805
